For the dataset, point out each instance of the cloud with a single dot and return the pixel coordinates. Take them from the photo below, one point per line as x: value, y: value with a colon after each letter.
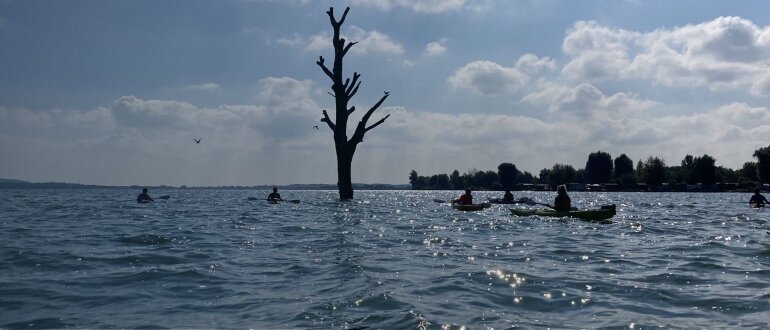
x: 436, y: 48
x: 488, y: 78
x: 597, y: 52
x: 727, y: 53
x: 296, y: 40
x: 207, y: 87
x: 585, y: 100
x: 368, y: 42
x: 116, y: 143
x: 531, y: 64
x: 421, y: 6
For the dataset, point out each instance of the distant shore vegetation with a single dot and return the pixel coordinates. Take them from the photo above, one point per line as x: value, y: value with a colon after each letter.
x: 603, y: 173
x: 20, y: 184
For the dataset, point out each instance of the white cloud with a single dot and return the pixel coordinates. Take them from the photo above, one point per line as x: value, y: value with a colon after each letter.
x: 585, y: 100
x: 368, y: 42
x: 373, y: 42
x: 488, y: 78
x: 531, y: 64
x: 295, y: 40
x: 727, y: 53
x: 115, y: 144
x: 422, y: 6
x: 207, y: 87
x: 597, y: 52
x: 436, y: 48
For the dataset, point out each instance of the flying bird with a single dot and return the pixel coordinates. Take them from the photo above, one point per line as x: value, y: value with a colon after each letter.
x: 197, y: 141
x: 316, y: 127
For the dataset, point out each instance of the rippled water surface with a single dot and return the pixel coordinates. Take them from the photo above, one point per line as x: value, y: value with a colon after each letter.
x: 388, y: 259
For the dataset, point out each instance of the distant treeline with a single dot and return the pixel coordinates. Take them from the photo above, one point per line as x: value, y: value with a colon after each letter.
x: 602, y: 169
x: 19, y: 184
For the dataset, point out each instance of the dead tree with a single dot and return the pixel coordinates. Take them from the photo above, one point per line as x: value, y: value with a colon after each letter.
x: 342, y: 93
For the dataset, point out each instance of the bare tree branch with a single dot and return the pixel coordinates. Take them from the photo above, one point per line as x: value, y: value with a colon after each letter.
x: 369, y: 113
x: 350, y: 87
x: 347, y: 48
x: 350, y: 111
x: 330, y: 93
x: 345, y: 14
x: 378, y: 122
x: 330, y: 12
x: 361, y: 129
x: 355, y: 90
x: 320, y: 63
x: 328, y: 120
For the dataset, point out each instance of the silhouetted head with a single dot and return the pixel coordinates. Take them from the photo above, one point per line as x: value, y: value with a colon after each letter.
x: 756, y: 190
x: 144, y: 190
x: 468, y: 191
x: 507, y: 191
x: 562, y: 189
x: 275, y: 189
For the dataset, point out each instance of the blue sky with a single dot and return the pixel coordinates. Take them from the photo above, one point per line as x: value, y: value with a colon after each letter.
x: 113, y: 92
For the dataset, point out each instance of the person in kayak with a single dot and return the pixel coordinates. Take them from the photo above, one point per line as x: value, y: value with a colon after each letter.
x: 144, y: 197
x: 562, y: 201
x: 758, y: 199
x: 274, y: 196
x: 508, y: 196
x: 465, y: 199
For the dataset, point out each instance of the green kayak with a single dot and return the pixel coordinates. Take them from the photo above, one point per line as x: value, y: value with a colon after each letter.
x: 601, y: 215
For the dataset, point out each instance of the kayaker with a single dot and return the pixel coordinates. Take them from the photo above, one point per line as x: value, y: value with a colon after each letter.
x: 508, y: 196
x: 144, y: 197
x: 562, y: 201
x: 274, y: 196
x: 465, y: 199
x: 758, y: 199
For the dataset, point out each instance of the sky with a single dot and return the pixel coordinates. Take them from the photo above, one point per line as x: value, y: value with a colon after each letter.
x: 114, y: 92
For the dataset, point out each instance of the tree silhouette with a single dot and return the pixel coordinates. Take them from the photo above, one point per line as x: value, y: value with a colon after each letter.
x: 342, y: 93
x: 507, y: 173
x: 653, y: 171
x: 623, y: 166
x: 598, y: 167
x: 763, y: 164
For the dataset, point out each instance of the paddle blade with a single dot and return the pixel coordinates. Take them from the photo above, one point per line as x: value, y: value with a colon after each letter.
x: 295, y: 201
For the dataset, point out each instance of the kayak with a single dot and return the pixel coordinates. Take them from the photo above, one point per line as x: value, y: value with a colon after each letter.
x: 501, y: 201
x: 471, y: 207
x: 600, y: 215
x: 756, y: 205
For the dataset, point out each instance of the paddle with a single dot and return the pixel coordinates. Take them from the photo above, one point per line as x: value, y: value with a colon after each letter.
x: 543, y: 204
x: 164, y: 197
x: 251, y: 198
x: 529, y: 201
x: 439, y: 201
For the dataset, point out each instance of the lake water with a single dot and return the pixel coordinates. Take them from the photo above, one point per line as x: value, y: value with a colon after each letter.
x: 388, y: 259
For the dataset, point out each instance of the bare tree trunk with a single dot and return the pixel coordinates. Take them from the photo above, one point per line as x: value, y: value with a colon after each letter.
x: 343, y: 92
x: 344, y: 178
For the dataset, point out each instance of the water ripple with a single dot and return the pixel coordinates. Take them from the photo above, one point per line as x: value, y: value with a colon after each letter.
x: 389, y: 259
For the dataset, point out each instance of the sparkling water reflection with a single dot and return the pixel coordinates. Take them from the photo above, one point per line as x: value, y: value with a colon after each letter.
x: 389, y: 259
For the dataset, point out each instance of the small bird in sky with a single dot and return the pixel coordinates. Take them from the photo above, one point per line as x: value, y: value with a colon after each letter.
x: 316, y: 127
x: 197, y: 140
